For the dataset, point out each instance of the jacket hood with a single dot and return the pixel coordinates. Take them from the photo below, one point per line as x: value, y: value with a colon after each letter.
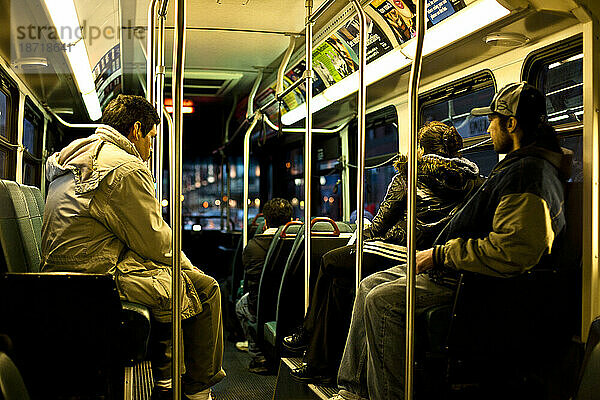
x: 443, y: 173
x: 81, y: 158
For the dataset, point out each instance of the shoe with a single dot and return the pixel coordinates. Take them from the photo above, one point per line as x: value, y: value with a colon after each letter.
x: 203, y: 395
x: 306, y: 374
x: 242, y: 346
x: 296, y: 342
x: 259, y: 365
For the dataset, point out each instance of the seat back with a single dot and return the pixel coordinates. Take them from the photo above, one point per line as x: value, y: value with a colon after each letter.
x: 21, y: 211
x: 270, y: 277
x: 12, y: 386
x: 65, y: 330
x: 504, y: 329
x: 589, y: 381
x: 326, y: 235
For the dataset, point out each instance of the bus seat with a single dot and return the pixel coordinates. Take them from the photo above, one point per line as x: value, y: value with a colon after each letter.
x: 35, y: 205
x: 490, y: 331
x: 12, y: 386
x: 71, y: 325
x: 270, y: 277
x: 326, y: 235
x: 20, y: 227
x: 589, y: 378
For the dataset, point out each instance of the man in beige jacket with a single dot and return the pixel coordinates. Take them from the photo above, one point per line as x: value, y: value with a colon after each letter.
x: 101, y: 216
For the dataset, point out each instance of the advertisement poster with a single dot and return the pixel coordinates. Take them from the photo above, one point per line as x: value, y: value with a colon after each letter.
x: 107, y: 75
x: 331, y: 64
x: 377, y: 43
x: 399, y: 15
x: 439, y: 10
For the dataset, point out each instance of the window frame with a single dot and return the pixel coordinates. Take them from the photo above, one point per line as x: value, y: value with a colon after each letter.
x: 9, y: 143
x: 533, y: 65
x: 33, y: 159
x: 536, y: 60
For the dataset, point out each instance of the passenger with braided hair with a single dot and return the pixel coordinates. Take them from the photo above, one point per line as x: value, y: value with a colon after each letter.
x: 445, y: 180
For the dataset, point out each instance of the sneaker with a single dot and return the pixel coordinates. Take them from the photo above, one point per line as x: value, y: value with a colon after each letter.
x: 242, y: 346
x: 203, y: 395
x: 306, y: 374
x: 296, y: 342
x: 259, y: 365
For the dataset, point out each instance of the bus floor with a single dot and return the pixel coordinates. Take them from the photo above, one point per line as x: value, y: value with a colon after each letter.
x: 240, y: 384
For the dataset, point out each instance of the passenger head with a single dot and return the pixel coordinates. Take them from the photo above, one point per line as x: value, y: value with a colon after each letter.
x: 518, y: 118
x: 277, y: 212
x: 135, y: 118
x: 438, y: 138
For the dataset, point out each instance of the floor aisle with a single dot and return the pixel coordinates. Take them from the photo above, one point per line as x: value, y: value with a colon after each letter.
x: 239, y: 383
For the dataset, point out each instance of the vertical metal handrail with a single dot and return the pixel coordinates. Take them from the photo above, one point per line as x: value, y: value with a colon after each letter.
x: 160, y: 82
x: 362, y: 111
x: 257, y: 117
x: 413, y: 98
x: 150, y: 54
x: 308, y: 74
x: 177, y: 85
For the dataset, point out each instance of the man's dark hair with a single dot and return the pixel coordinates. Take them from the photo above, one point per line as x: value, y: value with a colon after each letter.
x: 277, y: 212
x: 125, y: 110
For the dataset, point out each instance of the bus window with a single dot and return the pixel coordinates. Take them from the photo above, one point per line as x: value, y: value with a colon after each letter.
x: 294, y: 180
x: 376, y: 183
x: 3, y: 114
x: 558, y: 72
x: 32, y: 137
x: 380, y: 139
x: 29, y: 136
x: 562, y: 83
x: 330, y: 199
x: 485, y: 159
x: 456, y: 110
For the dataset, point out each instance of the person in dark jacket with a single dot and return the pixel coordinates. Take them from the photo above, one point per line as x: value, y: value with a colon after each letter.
x: 503, y: 231
x: 445, y: 179
x: 277, y: 212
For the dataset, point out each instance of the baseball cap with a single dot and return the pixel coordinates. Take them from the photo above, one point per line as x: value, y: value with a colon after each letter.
x: 514, y: 100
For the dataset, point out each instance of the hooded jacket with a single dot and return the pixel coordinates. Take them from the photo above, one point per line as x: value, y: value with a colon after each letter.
x: 442, y: 186
x: 101, y: 216
x: 512, y: 220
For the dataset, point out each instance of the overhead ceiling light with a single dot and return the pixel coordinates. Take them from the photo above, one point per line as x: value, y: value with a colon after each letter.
x: 30, y: 63
x: 64, y: 18
x: 507, y: 39
x: 472, y: 18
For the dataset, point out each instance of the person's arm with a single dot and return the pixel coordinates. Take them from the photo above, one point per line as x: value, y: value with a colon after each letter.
x: 128, y: 208
x: 391, y: 208
x: 521, y: 234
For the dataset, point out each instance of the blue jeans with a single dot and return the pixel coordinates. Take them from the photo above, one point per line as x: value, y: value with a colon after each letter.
x: 246, y: 317
x: 373, y: 361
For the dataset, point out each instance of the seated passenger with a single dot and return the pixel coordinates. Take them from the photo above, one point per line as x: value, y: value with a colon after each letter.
x: 277, y: 212
x: 101, y: 216
x: 445, y: 180
x: 503, y: 231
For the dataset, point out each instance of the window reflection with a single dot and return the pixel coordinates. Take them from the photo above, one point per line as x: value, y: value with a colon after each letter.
x: 562, y: 83
x: 456, y: 111
x: 3, y: 114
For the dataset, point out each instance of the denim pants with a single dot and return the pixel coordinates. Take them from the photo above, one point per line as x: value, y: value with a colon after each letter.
x: 373, y: 362
x: 246, y: 317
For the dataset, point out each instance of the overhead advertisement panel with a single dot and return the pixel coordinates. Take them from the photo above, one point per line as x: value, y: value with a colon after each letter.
x: 390, y: 23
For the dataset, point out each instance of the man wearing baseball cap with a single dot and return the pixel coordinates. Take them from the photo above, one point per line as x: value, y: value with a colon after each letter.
x: 502, y: 231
